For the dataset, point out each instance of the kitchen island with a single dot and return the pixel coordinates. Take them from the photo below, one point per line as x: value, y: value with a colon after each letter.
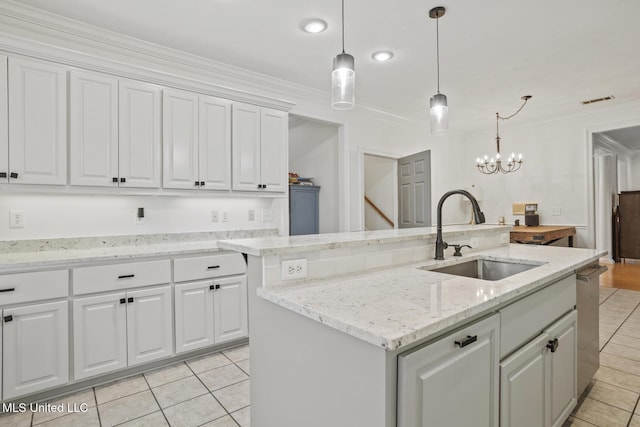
x: 344, y: 346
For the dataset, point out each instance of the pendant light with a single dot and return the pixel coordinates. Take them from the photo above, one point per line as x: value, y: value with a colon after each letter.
x: 493, y: 165
x: 438, y: 109
x: 343, y: 78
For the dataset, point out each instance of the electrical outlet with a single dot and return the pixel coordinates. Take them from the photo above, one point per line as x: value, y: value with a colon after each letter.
x: 214, y: 216
x: 294, y: 269
x: 556, y: 211
x: 224, y: 215
x: 267, y: 215
x: 16, y: 219
x: 252, y: 215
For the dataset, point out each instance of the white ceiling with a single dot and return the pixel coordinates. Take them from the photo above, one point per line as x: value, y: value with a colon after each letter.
x: 492, y: 51
x: 629, y: 137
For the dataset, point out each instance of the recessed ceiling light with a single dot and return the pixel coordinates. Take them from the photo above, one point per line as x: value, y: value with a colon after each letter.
x: 382, y: 56
x: 314, y: 25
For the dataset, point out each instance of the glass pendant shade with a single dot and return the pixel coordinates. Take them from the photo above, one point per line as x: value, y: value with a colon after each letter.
x: 439, y: 113
x: 343, y: 82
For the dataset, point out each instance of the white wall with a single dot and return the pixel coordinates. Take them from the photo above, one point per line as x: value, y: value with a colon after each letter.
x: 313, y: 152
x: 56, y: 215
x: 634, y: 173
x: 380, y: 189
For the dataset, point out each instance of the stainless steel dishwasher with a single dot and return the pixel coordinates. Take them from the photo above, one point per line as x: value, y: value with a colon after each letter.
x: 587, y: 303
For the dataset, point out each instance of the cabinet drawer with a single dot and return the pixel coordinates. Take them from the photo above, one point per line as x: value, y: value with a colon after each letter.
x: 36, y: 286
x: 205, y: 267
x: 120, y: 276
x: 524, y: 319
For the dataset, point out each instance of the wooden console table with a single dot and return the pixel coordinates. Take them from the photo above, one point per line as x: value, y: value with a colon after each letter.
x: 542, y: 234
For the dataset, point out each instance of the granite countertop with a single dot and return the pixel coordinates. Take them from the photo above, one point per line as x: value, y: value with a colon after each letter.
x: 68, y: 252
x: 290, y: 244
x: 397, y: 307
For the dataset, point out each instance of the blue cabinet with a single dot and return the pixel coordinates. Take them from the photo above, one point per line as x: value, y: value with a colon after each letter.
x: 303, y: 209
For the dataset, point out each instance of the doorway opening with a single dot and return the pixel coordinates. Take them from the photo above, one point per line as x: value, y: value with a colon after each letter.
x: 315, y: 153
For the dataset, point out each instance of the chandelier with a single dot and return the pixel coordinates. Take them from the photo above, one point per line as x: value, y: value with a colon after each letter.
x: 495, y: 164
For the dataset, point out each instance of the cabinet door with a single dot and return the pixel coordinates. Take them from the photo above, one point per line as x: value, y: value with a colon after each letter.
x: 453, y: 381
x: 524, y: 385
x: 94, y: 129
x: 37, y: 122
x: 274, y: 130
x: 215, y: 143
x: 230, y: 309
x: 194, y: 315
x: 100, y: 334
x: 140, y: 129
x: 149, y: 325
x: 563, y: 369
x: 180, y: 139
x: 36, y: 348
x: 4, y: 123
x: 246, y: 147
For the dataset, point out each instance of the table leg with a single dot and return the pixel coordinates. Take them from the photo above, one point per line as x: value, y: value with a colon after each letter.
x: 571, y: 241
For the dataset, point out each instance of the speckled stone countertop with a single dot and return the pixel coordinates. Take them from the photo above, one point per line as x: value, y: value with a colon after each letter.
x: 67, y: 252
x: 397, y: 307
x: 290, y: 244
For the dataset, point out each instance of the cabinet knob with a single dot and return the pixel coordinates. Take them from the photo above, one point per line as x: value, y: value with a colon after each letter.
x: 130, y: 299
x: 8, y: 318
x: 211, y: 287
x: 217, y: 286
x: 468, y: 340
x: 7, y: 290
x: 553, y: 345
x: 13, y: 175
x: 197, y: 183
x: 114, y: 179
x: 123, y: 179
x: 3, y: 174
x: 201, y: 183
x: 126, y: 276
x: 123, y: 300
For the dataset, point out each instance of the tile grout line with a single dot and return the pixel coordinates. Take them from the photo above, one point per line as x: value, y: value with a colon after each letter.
x: 156, y: 399
x: 621, y: 324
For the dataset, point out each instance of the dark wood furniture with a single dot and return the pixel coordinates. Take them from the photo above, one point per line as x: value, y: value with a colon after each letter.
x: 542, y: 234
x: 628, y: 221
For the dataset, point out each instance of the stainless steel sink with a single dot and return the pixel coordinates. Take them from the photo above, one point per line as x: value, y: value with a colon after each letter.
x: 485, y: 269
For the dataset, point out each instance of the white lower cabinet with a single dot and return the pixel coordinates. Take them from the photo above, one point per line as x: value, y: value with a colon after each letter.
x: 35, y: 340
x: 538, y: 382
x: 453, y: 381
x: 121, y: 329
x: 210, y: 312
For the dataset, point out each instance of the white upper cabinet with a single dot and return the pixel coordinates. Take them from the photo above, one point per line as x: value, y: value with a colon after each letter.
x: 180, y: 139
x: 215, y: 143
x: 115, y: 131
x: 37, y: 122
x: 259, y: 148
x: 197, y: 141
x: 94, y: 129
x: 4, y: 123
x: 140, y: 130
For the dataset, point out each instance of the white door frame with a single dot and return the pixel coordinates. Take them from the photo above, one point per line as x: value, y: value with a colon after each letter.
x: 591, y: 204
x: 361, y: 153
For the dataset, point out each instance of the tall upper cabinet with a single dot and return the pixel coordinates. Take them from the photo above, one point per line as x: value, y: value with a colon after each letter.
x: 259, y: 148
x: 37, y: 137
x: 196, y: 141
x: 4, y: 122
x: 115, y: 131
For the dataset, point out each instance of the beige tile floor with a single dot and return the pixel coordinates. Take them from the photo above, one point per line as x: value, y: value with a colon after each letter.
x: 611, y: 400
x: 210, y: 391
x: 213, y: 390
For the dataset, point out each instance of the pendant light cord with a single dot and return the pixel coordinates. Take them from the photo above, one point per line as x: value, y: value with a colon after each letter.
x: 437, y: 50
x: 343, y: 26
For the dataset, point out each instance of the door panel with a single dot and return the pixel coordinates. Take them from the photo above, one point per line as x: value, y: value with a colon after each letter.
x: 273, y: 149
x: 4, y: 122
x: 194, y: 315
x: 563, y: 369
x: 100, y: 334
x: 414, y: 190
x: 180, y: 139
x: 36, y: 348
x: 139, y: 134
x: 246, y: 147
x: 215, y: 143
x: 37, y: 122
x: 149, y: 325
x: 230, y: 309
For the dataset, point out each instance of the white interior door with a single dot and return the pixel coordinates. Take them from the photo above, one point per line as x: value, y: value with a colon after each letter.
x: 414, y: 190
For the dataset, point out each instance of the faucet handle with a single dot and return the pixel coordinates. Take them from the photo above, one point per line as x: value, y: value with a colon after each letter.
x: 458, y: 249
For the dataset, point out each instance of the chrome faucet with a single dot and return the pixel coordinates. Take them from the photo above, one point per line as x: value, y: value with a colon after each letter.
x: 477, y: 213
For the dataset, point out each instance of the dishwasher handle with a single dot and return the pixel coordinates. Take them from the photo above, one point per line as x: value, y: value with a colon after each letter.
x: 591, y: 272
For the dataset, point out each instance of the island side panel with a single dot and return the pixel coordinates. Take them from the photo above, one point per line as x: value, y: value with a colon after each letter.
x: 304, y: 373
